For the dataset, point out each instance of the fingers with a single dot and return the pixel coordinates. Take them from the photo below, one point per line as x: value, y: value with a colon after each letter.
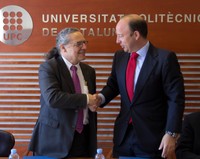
x: 94, y: 102
x: 167, y: 146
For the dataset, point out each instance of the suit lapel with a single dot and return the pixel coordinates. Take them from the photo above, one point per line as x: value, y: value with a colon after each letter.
x: 66, y: 74
x: 148, y: 65
x: 124, y: 65
x: 121, y: 75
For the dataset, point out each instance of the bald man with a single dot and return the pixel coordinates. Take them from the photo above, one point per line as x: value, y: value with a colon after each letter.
x: 150, y: 119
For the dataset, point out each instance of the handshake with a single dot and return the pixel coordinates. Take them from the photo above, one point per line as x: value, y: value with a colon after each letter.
x: 94, y: 102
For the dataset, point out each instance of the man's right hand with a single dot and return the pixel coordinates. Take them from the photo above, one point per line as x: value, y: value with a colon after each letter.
x: 94, y: 102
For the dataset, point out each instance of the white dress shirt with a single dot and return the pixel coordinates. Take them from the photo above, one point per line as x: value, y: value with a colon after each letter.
x: 84, y: 88
x: 140, y: 60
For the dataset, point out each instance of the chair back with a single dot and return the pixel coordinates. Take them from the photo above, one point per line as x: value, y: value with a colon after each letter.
x: 7, y: 142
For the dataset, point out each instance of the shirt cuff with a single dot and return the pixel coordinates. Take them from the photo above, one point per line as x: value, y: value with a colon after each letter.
x: 87, y: 99
x: 103, y: 99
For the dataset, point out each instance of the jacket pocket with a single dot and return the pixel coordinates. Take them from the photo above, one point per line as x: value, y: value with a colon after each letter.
x: 48, y: 121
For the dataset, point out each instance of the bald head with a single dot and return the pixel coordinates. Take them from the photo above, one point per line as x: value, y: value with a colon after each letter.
x: 135, y: 23
x: 132, y: 17
x: 131, y: 31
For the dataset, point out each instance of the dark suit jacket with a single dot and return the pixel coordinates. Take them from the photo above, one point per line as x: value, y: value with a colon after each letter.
x: 188, y: 146
x: 158, y: 101
x: 54, y: 130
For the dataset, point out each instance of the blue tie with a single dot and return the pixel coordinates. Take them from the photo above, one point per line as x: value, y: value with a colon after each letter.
x: 79, y: 124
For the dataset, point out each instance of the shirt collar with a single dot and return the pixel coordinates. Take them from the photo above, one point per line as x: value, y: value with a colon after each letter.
x: 143, y: 50
x: 68, y: 64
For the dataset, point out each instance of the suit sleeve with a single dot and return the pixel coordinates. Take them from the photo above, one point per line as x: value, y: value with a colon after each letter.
x: 111, y: 90
x: 174, y: 89
x: 54, y: 89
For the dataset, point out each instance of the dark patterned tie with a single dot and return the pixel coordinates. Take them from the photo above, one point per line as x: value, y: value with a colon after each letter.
x: 79, y: 124
x: 130, y: 74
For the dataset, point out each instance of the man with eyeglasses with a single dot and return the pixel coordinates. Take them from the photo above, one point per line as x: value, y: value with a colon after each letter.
x: 56, y: 133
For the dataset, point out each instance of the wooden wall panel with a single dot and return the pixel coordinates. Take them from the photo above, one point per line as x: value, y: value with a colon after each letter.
x: 19, y: 95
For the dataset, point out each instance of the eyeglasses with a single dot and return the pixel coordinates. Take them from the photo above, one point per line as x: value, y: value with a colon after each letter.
x: 80, y: 43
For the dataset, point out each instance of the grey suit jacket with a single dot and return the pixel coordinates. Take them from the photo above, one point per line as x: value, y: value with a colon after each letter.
x: 55, y: 127
x: 158, y: 101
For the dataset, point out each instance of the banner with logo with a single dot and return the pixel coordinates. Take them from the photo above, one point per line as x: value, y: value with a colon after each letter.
x: 31, y: 26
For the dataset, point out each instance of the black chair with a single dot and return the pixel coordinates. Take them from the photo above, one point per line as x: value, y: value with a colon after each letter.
x: 7, y: 142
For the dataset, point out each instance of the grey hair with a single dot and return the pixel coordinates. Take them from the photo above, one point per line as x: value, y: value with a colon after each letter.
x: 62, y: 37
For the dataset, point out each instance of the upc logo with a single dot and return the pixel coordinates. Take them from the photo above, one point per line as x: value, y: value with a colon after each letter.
x: 15, y: 25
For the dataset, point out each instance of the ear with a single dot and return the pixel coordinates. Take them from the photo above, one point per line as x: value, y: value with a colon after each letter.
x: 136, y: 34
x: 62, y: 48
